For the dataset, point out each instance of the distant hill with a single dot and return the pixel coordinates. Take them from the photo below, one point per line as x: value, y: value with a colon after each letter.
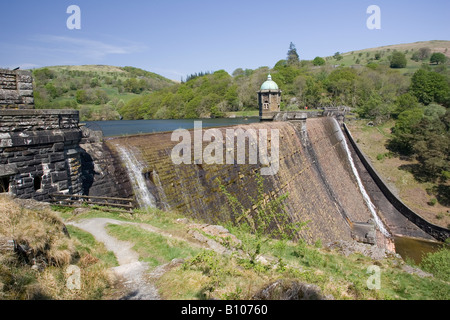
x: 381, y: 55
x: 98, y: 91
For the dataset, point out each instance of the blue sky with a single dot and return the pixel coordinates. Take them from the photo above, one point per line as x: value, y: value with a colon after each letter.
x: 175, y: 38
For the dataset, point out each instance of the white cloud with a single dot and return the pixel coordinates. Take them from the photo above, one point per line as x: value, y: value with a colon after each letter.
x: 82, y: 47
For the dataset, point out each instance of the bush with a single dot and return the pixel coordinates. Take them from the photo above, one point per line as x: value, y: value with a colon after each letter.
x: 398, y: 60
x: 318, y: 61
x: 438, y: 263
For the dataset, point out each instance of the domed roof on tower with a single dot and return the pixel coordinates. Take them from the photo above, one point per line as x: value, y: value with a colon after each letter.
x: 269, y: 84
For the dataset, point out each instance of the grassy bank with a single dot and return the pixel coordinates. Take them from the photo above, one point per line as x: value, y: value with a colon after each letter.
x: 40, y: 270
x: 204, y: 274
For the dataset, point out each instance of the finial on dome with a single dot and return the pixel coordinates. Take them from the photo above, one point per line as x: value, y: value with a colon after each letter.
x: 269, y: 77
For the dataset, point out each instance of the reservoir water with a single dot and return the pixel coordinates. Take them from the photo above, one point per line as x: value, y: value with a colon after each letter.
x: 414, y: 248
x: 127, y: 127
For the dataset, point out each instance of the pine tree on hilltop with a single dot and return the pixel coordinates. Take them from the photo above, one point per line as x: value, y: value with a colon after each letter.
x: 292, y: 55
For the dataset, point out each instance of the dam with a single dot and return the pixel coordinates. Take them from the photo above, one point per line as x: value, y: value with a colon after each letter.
x: 328, y: 181
x: 319, y: 168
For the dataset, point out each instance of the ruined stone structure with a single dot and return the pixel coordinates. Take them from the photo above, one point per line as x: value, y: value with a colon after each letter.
x: 269, y: 99
x: 16, y: 89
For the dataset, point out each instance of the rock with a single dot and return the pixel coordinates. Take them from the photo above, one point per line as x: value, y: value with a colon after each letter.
x: 265, y: 260
x: 416, y: 271
x: 349, y: 247
x: 78, y: 211
x: 290, y: 290
x: 7, y: 245
x: 216, y: 237
x: 182, y: 220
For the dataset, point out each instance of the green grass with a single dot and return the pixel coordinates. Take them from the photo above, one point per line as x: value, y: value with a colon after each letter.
x: 87, y: 244
x: 213, y: 276
x: 240, y: 114
x: 152, y: 247
x: 206, y: 274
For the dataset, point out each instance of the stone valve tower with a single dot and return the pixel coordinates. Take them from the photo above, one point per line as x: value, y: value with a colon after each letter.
x: 269, y: 99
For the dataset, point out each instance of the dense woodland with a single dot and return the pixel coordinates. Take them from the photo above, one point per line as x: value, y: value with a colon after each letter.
x: 411, y: 86
x: 97, y: 91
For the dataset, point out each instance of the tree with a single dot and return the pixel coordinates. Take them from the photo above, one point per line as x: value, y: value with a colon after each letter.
x: 52, y: 90
x: 404, y: 130
x: 423, y: 53
x: 437, y: 58
x: 398, y: 60
x: 81, y: 96
x: 415, y: 56
x: 94, y: 83
x: 238, y: 72
x: 292, y: 55
x: 338, y: 56
x: 318, y: 61
x: 429, y: 86
x: 405, y: 102
x: 431, y: 144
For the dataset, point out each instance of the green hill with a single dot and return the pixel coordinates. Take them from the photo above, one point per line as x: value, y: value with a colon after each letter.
x: 380, y: 55
x: 363, y: 80
x: 96, y: 90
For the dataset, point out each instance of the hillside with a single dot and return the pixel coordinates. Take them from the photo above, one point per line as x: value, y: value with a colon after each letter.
x: 380, y: 55
x: 96, y: 90
x: 356, y: 79
x: 363, y: 80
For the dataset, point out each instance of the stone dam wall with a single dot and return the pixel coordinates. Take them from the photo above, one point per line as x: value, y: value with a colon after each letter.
x: 314, y: 170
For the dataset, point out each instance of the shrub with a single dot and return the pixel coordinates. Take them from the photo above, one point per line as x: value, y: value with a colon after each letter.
x: 438, y: 263
x: 398, y: 60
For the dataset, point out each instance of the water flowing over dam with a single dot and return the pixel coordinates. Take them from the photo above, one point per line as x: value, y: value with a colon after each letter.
x: 318, y: 169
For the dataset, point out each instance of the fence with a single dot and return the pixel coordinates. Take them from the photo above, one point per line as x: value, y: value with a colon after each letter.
x: 106, y: 203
